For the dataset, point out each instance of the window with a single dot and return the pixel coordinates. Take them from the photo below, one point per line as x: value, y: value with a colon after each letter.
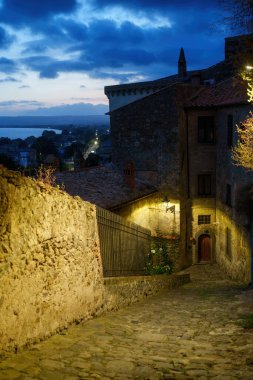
x: 229, y: 195
x: 204, y: 219
x: 206, y: 131
x: 129, y: 174
x: 204, y: 185
x: 230, y: 122
x: 228, y: 243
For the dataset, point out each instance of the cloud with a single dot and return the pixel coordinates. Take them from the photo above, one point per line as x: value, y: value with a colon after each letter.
x: 102, y: 46
x: 5, y: 38
x: 77, y: 109
x: 161, y: 5
x: 8, y: 66
x: 82, y: 86
x: 11, y: 103
x: 24, y: 86
x: 29, y: 12
x: 9, y: 79
x: 118, y: 47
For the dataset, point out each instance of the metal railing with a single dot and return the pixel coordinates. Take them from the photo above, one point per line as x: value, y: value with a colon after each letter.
x: 123, y: 245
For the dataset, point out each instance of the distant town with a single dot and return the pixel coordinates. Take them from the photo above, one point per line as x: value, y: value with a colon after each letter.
x: 62, y: 145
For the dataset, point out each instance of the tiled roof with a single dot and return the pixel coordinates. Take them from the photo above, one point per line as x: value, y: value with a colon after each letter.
x: 229, y: 92
x: 103, y: 186
x: 158, y: 83
x: 215, y: 71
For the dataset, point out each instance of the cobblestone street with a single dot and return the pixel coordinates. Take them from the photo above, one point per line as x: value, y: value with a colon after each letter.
x: 187, y: 333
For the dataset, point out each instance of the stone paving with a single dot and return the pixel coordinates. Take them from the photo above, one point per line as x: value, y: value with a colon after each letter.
x: 187, y: 333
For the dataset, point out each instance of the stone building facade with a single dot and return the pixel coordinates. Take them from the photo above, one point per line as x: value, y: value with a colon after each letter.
x: 165, y: 136
x: 217, y: 193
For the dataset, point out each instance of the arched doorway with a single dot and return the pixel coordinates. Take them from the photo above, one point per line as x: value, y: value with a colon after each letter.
x: 204, y: 248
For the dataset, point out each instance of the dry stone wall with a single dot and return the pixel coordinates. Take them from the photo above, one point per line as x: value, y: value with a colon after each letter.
x: 50, y: 266
x: 123, y: 291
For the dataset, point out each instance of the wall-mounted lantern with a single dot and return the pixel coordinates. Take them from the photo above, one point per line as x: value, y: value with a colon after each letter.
x: 166, y: 201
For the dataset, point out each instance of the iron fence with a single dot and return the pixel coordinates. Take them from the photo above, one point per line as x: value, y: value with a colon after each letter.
x: 124, y: 245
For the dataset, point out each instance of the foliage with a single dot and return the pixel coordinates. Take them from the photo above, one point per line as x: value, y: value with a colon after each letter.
x: 49, y: 134
x: 242, y: 154
x: 92, y: 160
x: 43, y: 147
x: 74, y: 149
x: 8, y: 162
x: 5, y: 141
x: 247, y: 75
x: 46, y: 175
x: 158, y: 260
x: 240, y: 18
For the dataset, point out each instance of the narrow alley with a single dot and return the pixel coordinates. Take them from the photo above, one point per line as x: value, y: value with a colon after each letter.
x: 192, y: 332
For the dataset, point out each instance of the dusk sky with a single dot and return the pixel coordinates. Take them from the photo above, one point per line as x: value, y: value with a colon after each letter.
x: 57, y: 54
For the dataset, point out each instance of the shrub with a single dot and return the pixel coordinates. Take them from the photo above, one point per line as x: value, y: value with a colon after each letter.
x: 158, y: 260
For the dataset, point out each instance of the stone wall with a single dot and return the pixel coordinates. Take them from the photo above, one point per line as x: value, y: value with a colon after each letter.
x: 123, y: 291
x: 229, y: 223
x: 233, y: 256
x: 146, y: 133
x: 50, y: 266
x: 161, y: 218
x: 153, y: 213
x: 234, y: 220
x: 121, y: 95
x: 234, y: 46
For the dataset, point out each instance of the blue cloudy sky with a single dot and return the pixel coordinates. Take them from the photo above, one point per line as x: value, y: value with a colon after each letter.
x: 58, y: 54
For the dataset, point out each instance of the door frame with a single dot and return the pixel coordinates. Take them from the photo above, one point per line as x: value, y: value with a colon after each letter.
x: 206, y: 231
x: 199, y: 248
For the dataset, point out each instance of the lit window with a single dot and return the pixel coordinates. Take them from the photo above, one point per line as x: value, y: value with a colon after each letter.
x: 204, y: 219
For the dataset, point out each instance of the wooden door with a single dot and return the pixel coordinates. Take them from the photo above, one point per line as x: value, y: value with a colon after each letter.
x: 204, y: 248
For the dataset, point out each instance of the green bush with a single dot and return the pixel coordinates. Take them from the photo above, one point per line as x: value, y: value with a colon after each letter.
x: 158, y: 260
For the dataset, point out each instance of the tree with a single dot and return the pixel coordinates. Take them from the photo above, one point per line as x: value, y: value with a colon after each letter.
x: 8, y: 162
x: 74, y: 149
x: 43, y: 147
x: 243, y: 152
x: 240, y: 15
x: 92, y: 160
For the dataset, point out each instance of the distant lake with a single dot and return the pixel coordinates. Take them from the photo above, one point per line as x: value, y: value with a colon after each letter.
x: 23, y: 133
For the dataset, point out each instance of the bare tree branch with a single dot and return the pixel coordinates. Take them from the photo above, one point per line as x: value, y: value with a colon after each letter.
x: 240, y: 18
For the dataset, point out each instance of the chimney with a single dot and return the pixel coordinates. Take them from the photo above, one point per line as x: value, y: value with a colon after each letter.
x: 182, y: 70
x: 196, y: 79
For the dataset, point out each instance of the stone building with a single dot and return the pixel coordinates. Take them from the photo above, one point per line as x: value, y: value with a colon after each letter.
x: 216, y: 194
x: 174, y: 133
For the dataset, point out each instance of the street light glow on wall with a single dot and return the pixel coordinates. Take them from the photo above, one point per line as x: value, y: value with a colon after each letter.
x: 172, y: 209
